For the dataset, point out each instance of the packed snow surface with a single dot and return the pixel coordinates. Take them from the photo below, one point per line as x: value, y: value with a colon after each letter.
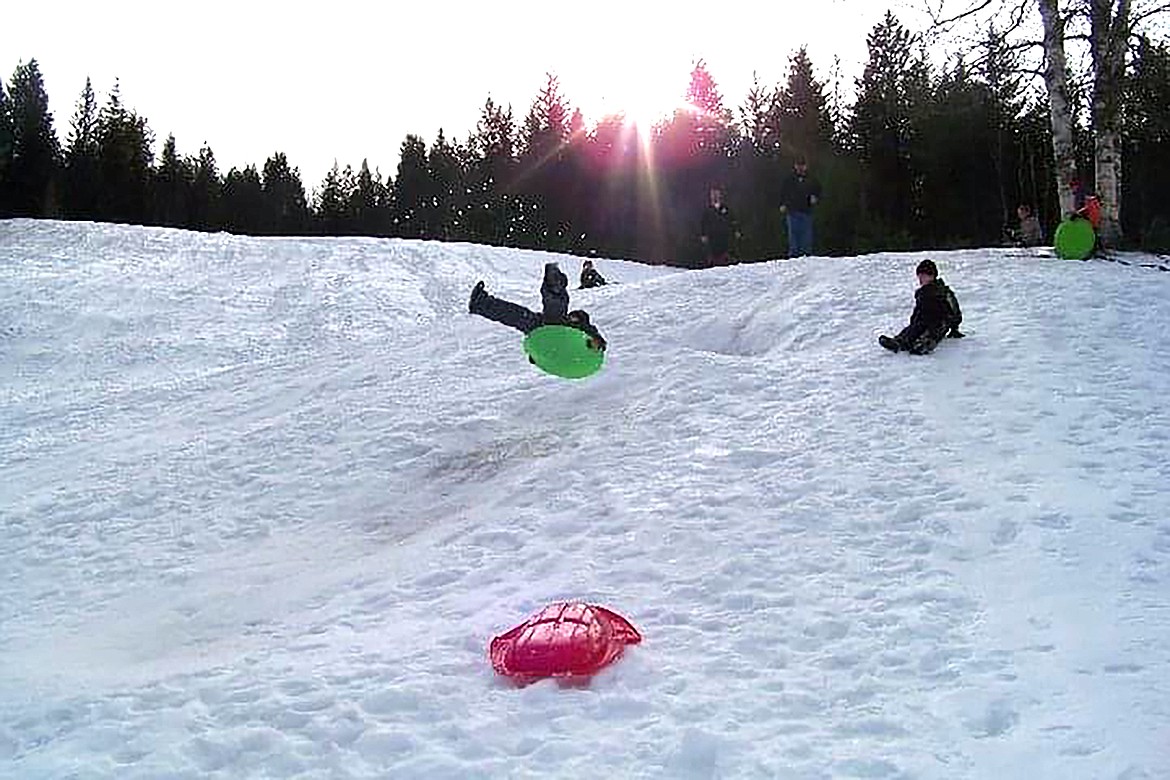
x: 265, y: 502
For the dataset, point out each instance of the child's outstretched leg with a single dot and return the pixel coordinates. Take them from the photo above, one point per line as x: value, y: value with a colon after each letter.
x: 504, y: 312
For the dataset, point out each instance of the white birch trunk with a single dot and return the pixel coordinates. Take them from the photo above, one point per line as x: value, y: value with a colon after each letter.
x: 1056, y: 80
x: 1109, y: 34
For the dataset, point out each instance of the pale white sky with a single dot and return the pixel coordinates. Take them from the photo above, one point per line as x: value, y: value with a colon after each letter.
x: 348, y: 80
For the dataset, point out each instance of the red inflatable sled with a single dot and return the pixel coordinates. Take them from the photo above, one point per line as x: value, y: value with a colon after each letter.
x: 567, y: 639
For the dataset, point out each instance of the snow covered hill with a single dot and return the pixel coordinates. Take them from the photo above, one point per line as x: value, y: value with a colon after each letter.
x: 266, y: 501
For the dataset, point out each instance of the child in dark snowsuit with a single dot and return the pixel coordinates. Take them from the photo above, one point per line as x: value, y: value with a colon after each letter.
x: 554, y: 295
x: 936, y: 315
x: 717, y: 228
x: 590, y: 276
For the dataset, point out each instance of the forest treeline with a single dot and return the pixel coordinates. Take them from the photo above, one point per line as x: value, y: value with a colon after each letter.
x: 922, y: 156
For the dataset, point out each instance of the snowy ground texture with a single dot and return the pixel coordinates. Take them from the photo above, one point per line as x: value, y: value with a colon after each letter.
x: 266, y: 501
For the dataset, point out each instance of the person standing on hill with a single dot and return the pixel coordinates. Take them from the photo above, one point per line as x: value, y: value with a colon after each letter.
x: 798, y: 196
x: 716, y: 229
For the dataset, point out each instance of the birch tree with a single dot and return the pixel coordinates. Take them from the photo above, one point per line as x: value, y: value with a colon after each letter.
x: 1105, y: 29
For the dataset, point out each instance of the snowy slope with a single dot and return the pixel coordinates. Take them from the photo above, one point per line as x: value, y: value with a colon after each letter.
x: 266, y: 501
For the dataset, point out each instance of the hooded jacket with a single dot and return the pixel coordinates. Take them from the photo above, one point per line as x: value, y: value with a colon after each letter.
x: 936, y: 311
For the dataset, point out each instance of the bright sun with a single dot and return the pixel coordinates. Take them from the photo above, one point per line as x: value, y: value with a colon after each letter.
x: 641, y: 98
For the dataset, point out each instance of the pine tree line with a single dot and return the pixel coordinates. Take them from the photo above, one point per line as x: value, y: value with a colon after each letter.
x: 924, y: 157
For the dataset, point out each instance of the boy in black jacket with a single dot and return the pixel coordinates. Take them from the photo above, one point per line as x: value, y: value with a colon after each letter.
x: 936, y: 315
x: 590, y: 276
x: 717, y: 228
x: 554, y: 296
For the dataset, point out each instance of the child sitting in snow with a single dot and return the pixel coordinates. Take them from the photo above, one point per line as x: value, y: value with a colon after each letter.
x: 936, y: 315
x: 554, y: 295
x: 1031, y: 234
x: 590, y: 276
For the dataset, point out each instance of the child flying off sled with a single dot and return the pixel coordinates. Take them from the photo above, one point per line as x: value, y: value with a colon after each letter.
x: 554, y: 295
x: 936, y: 315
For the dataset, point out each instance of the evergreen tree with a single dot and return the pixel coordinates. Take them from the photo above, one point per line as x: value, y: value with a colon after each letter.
x: 6, y: 140
x: 412, y: 191
x: 491, y: 176
x: 83, y: 195
x: 206, y: 192
x: 368, y: 203
x: 173, y: 180
x: 758, y: 116
x: 1146, y: 125
x: 333, y: 202
x: 546, y: 128
x: 35, y: 150
x: 757, y: 173
x: 545, y: 172
x: 805, y: 126
x: 243, y: 201
x: 703, y: 93
x: 124, y: 162
x: 580, y: 190
x: 445, y: 176
x: 286, y: 210
x: 1000, y: 68
x: 956, y: 154
x: 699, y: 135
x: 609, y: 159
x: 890, y: 92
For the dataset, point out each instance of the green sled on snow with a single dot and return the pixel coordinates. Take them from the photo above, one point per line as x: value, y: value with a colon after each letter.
x: 562, y: 351
x: 1074, y: 239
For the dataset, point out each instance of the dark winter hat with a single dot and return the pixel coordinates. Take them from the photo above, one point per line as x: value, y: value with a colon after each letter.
x: 553, y: 275
x: 579, y: 317
x: 927, y: 267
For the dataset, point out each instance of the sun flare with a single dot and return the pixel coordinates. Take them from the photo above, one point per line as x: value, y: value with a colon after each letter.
x: 644, y: 100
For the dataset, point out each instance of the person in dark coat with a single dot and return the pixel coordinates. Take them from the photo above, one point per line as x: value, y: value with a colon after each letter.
x: 554, y: 294
x: 590, y: 277
x: 798, y: 195
x: 716, y: 228
x: 936, y: 315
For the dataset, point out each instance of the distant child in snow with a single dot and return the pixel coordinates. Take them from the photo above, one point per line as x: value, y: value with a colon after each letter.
x: 1030, y: 233
x: 554, y: 295
x: 590, y: 277
x: 1086, y: 205
x: 717, y: 228
x: 936, y: 315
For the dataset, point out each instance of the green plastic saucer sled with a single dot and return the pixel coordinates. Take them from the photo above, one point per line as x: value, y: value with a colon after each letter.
x: 562, y: 351
x: 1074, y: 239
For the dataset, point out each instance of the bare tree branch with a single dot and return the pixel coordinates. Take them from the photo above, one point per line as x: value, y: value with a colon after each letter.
x: 1024, y: 45
x: 979, y: 6
x: 1142, y: 16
